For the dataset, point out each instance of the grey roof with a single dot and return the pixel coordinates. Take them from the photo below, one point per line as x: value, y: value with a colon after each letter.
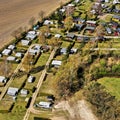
x: 24, y: 92
x: 91, y: 22
x: 108, y: 30
x: 11, y: 47
x: 63, y: 51
x: 18, y: 54
x: 90, y: 28
x: 12, y: 91
x: 31, y: 79
x: 70, y: 35
x: 116, y: 17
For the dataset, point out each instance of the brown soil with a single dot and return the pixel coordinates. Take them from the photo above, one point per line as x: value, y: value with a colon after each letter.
x: 17, y: 13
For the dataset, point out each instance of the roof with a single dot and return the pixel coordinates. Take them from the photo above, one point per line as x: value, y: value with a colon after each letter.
x: 11, y: 58
x: 79, y: 20
x: 11, y: 47
x: 47, y: 22
x: 18, y: 54
x: 31, y: 36
x: 116, y: 17
x: 70, y: 35
x: 57, y: 35
x: 45, y: 104
x: 6, y: 51
x: 12, y: 91
x: 24, y: 92
x: 31, y: 78
x: 3, y: 79
x: 108, y: 30
x: 91, y: 22
x: 63, y: 50
x: 25, y: 42
x: 90, y: 28
x: 56, y: 62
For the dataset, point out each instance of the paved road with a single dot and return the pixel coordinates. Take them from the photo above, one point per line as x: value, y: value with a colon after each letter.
x: 12, y: 78
x: 42, y: 77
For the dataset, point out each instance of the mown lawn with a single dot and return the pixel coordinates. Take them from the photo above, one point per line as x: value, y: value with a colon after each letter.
x: 112, y: 85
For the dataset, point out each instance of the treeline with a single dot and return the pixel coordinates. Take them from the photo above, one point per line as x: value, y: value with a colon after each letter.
x: 105, y: 106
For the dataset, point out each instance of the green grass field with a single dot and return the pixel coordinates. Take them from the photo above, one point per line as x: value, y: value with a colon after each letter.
x: 112, y: 85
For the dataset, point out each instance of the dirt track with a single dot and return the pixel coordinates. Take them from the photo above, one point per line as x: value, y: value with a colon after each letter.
x: 17, y: 13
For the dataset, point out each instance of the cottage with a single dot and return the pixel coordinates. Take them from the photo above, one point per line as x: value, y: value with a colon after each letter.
x: 12, y: 91
x: 25, y: 42
x: 11, y: 58
x: 31, y: 79
x: 33, y: 51
x: 56, y: 63
x: 6, y: 52
x: 3, y: 79
x: 24, y: 92
x: 37, y: 47
x: 45, y: 104
x: 11, y: 47
x: 63, y: 51
x: 31, y: 36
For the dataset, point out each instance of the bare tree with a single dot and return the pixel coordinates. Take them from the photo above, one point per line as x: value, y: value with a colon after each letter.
x: 32, y: 21
x: 41, y: 14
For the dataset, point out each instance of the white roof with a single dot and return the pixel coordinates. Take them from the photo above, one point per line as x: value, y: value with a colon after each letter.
x: 46, y: 22
x: 18, y: 54
x: 91, y: 22
x: 12, y: 91
x: 25, y: 42
x: 32, y: 32
x: 11, y: 58
x: 71, y: 5
x: 30, y: 79
x: 56, y: 62
x: 34, y: 51
x: 24, y: 92
x: 2, y: 79
x: 11, y: 47
x: 6, y: 52
x: 45, y: 104
x: 74, y: 49
x: 57, y: 35
x: 31, y: 36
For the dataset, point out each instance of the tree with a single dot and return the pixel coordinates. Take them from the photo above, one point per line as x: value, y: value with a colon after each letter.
x: 100, y: 30
x: 68, y: 23
x: 41, y: 15
x: 32, y: 21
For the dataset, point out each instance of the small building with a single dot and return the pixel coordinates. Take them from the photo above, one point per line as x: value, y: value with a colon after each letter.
x: 91, y: 23
x: 19, y: 55
x: 33, y: 51
x: 57, y: 35
x: 6, y: 52
x: 11, y: 47
x: 79, y: 21
x: 109, y: 31
x: 91, y: 29
x: 56, y: 63
x: 3, y: 79
x: 79, y: 26
x: 25, y: 42
x: 63, y: 51
x: 37, y: 47
x: 45, y: 104
x: 73, y: 50
x: 31, y: 36
x: 12, y: 91
x: 116, y: 18
x: 48, y: 22
x: 24, y: 92
x: 31, y: 79
x: 70, y: 36
x: 11, y: 58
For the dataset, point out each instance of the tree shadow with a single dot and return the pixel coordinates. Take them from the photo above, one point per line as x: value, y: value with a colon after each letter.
x: 36, y: 118
x: 37, y: 69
